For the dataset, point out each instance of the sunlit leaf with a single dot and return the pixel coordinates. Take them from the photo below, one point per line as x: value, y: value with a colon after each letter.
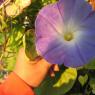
x: 1, y: 38
x: 92, y: 84
x: 48, y: 88
x: 83, y: 79
x: 10, y: 63
x: 67, y: 75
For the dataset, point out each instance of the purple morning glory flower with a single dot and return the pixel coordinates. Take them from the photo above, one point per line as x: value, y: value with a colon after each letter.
x: 65, y: 33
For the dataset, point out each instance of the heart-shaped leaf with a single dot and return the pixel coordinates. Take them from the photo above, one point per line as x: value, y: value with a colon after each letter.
x: 83, y: 79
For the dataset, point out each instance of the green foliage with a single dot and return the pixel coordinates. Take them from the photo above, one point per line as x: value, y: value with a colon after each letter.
x: 11, y: 34
x: 90, y: 65
x: 68, y: 75
x: 19, y: 31
x: 83, y: 79
x: 92, y: 84
x: 58, y: 85
x: 29, y: 44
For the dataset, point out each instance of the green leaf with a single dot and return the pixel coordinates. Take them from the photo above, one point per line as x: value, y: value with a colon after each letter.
x: 29, y: 44
x: 90, y: 65
x: 69, y: 74
x: 1, y: 38
x: 48, y: 88
x: 92, y: 84
x: 77, y: 94
x: 83, y: 79
x: 10, y: 63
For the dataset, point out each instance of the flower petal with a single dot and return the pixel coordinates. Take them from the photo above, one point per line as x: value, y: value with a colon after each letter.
x: 87, y: 44
x: 66, y: 8
x: 73, y: 56
x: 51, y: 24
x: 77, y: 10
x: 48, y: 40
x: 52, y: 15
x: 83, y: 51
x: 89, y: 23
x: 81, y: 11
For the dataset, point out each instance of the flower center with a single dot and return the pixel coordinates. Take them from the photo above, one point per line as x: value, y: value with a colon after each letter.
x: 68, y: 36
